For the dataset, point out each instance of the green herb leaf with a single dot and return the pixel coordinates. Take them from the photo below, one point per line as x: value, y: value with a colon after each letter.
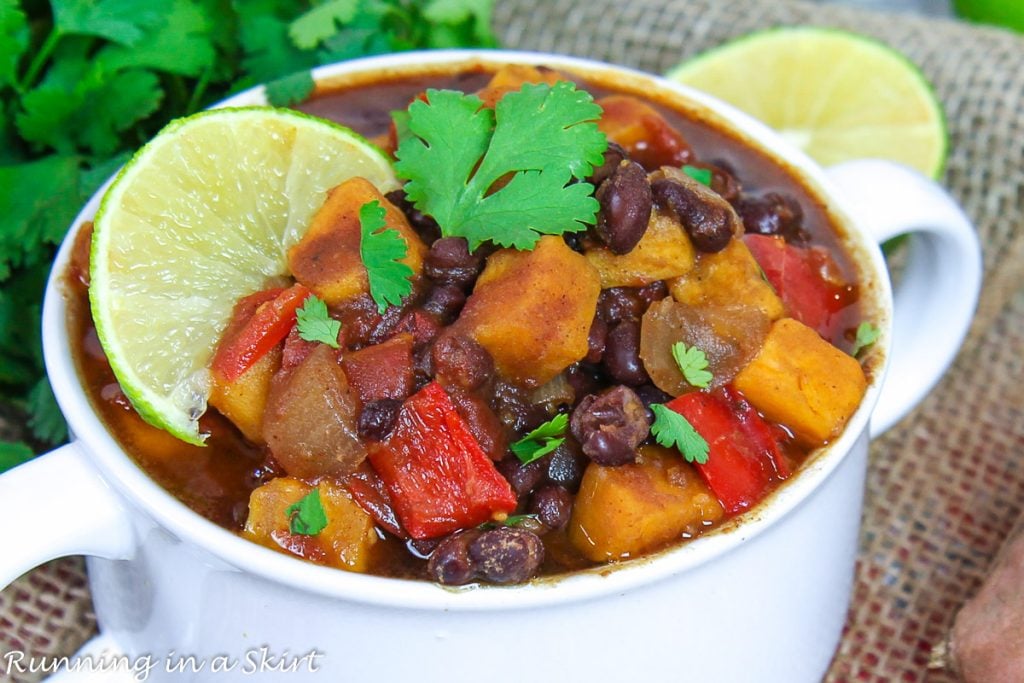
x: 179, y: 41
x: 315, y: 325
x: 382, y: 251
x: 13, y: 40
x: 13, y: 454
x: 672, y: 430
x: 542, y: 440
x: 536, y: 140
x: 291, y: 89
x: 119, y: 21
x: 45, y: 419
x: 701, y: 175
x: 867, y: 334
x: 692, y: 363
x: 511, y: 520
x: 318, y: 24
x: 307, y: 517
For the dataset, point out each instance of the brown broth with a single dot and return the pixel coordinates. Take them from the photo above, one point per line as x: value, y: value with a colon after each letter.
x: 215, y: 481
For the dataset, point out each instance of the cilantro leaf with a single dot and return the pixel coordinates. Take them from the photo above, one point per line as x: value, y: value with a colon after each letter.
x: 291, y: 89
x: 867, y: 334
x: 382, y: 251
x: 318, y: 24
x: 180, y: 41
x: 13, y: 40
x: 458, y: 22
x: 315, y: 325
x: 693, y: 364
x: 511, y: 520
x: 46, y: 421
x: 12, y: 454
x: 119, y: 21
x: 701, y: 175
x: 542, y: 440
x: 672, y: 430
x: 307, y: 517
x: 538, y: 139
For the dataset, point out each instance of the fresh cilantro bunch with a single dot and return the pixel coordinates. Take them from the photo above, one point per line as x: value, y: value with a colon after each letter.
x: 83, y: 83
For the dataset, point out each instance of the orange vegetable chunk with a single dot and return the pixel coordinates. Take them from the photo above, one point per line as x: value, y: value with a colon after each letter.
x: 625, y: 511
x: 727, y: 277
x: 665, y: 251
x: 532, y: 310
x: 643, y: 132
x: 327, y: 258
x: 346, y: 542
x: 512, y: 77
x: 244, y: 399
x: 801, y: 381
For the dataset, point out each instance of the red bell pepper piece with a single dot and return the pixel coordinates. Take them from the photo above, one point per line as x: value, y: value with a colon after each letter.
x: 270, y: 322
x: 366, y: 487
x: 438, y: 477
x: 744, y: 460
x: 806, y: 279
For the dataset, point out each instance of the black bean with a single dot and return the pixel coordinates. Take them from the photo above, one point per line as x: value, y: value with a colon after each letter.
x: 513, y: 407
x: 584, y: 378
x: 522, y: 478
x: 724, y: 182
x: 626, y: 205
x: 596, y: 340
x: 507, y: 554
x: 444, y: 302
x: 621, y: 360
x: 613, y: 156
x: 377, y: 419
x: 610, y: 425
x: 655, y: 291
x: 772, y: 214
x: 449, y: 262
x: 460, y: 361
x: 425, y: 226
x: 450, y: 563
x: 552, y: 504
x: 619, y: 303
x: 650, y: 394
x: 566, y: 464
x: 709, y: 223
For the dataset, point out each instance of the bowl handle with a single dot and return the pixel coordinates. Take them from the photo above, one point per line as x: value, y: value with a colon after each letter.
x: 58, y: 505
x: 935, y: 299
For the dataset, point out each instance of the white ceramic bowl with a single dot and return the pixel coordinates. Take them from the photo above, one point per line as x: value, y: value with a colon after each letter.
x: 763, y: 600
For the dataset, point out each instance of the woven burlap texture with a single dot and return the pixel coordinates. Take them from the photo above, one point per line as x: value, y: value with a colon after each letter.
x: 945, y: 485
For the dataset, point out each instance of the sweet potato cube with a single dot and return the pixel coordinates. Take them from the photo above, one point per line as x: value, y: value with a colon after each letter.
x: 532, y: 310
x: 512, y: 77
x: 346, y: 542
x: 801, y: 381
x: 725, y: 278
x: 665, y: 251
x: 244, y: 399
x: 626, y: 511
x: 327, y: 259
x: 650, y: 140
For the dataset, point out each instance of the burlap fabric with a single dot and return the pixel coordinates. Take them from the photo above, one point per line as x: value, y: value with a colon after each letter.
x: 946, y: 484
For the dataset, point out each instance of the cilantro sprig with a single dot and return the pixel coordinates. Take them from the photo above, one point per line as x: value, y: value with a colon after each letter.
x: 536, y: 141
x: 382, y: 250
x: 307, y: 517
x: 542, y: 440
x: 693, y: 364
x: 672, y: 430
x: 84, y: 84
x: 701, y: 175
x: 315, y: 325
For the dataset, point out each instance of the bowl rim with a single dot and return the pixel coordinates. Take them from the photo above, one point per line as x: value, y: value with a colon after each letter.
x: 161, y: 507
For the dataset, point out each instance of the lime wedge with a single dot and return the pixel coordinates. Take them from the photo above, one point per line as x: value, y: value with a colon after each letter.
x: 201, y: 216
x: 836, y: 95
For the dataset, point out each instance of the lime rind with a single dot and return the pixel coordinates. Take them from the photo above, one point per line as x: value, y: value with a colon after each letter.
x: 775, y: 51
x: 200, y: 216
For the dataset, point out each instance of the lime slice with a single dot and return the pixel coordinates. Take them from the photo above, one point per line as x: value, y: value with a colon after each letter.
x: 836, y: 95
x: 201, y: 216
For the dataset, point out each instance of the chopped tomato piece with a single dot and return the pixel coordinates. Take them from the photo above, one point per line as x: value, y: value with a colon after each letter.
x: 369, y: 492
x: 438, y: 477
x: 272, y: 317
x: 382, y: 370
x: 807, y: 280
x: 743, y: 459
x: 650, y: 140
